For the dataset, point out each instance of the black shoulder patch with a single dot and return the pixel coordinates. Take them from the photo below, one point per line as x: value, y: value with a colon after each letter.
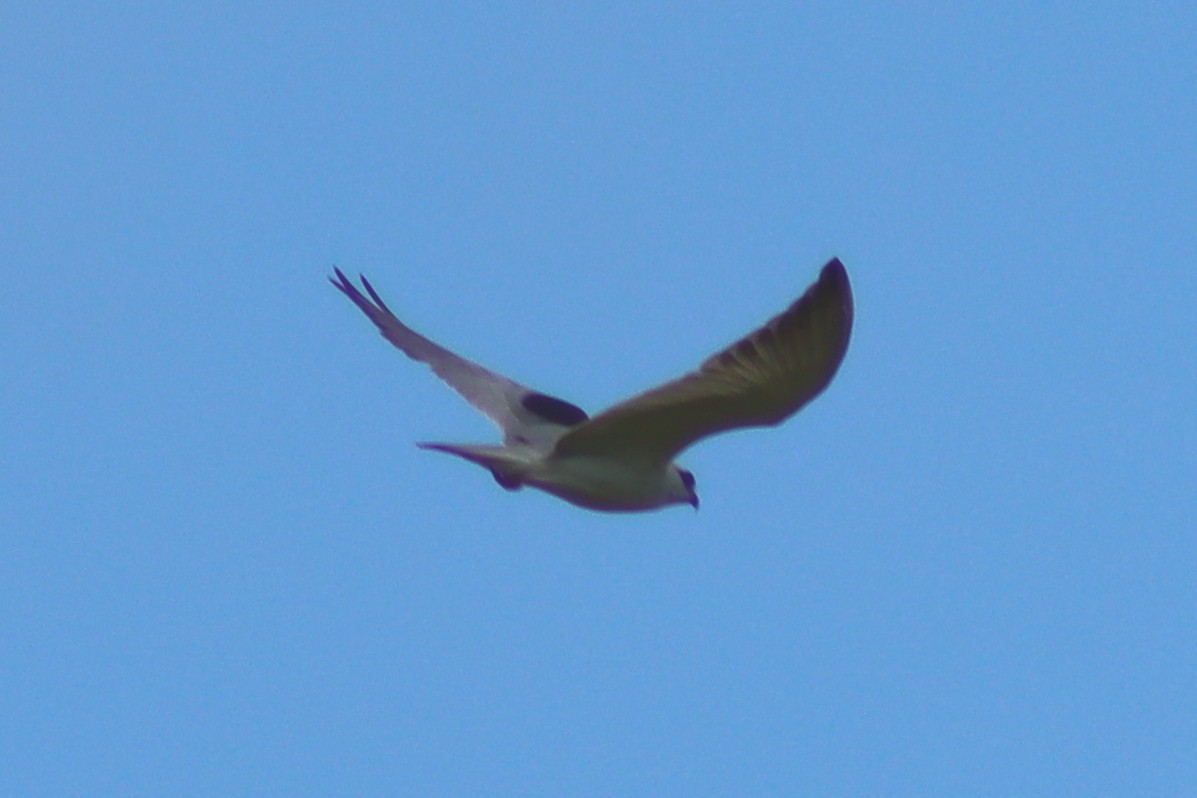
x: 554, y: 410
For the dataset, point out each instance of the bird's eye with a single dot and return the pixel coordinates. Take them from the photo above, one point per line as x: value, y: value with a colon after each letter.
x: 687, y: 477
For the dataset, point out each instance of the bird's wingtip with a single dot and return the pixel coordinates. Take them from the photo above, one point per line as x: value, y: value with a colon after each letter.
x: 833, y: 268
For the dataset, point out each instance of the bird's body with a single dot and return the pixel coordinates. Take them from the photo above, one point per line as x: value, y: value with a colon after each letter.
x: 623, y: 458
x: 613, y: 484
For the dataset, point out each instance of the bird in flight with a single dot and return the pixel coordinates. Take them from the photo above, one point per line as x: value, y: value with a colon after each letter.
x: 622, y: 459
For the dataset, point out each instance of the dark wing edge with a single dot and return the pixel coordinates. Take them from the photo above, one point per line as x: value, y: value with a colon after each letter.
x: 405, y: 339
x: 758, y: 381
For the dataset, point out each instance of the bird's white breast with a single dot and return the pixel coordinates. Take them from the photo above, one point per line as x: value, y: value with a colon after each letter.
x: 602, y: 483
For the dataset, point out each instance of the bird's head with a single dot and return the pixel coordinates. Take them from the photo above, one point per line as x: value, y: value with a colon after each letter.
x: 682, y: 491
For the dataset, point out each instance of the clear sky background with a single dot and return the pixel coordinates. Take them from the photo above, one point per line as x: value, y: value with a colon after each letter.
x: 967, y: 569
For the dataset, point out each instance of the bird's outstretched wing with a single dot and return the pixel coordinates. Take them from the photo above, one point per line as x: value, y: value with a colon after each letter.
x: 758, y: 381
x: 523, y: 415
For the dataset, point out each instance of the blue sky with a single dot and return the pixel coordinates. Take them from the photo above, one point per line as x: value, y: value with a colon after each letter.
x: 966, y: 569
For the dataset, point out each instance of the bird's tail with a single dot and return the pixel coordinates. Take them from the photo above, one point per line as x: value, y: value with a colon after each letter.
x: 506, y: 466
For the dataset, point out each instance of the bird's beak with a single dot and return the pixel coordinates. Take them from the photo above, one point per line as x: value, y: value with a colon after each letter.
x: 694, y: 501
